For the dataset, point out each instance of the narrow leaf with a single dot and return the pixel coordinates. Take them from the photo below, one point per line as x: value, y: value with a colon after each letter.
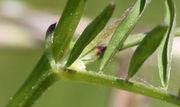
x: 123, y: 30
x: 66, y: 27
x: 107, y: 32
x: 165, y: 50
x: 135, y: 39
x: 146, y: 48
x: 90, y: 33
x: 49, y: 40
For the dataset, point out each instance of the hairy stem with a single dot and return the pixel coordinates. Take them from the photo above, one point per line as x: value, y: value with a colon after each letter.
x: 43, y: 77
x: 110, y: 81
x: 40, y: 79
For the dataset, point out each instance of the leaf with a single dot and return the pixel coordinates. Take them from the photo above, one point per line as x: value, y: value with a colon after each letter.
x: 66, y: 27
x: 91, y: 32
x: 135, y: 39
x: 108, y: 31
x: 146, y: 48
x: 123, y: 30
x: 49, y: 40
x: 165, y: 50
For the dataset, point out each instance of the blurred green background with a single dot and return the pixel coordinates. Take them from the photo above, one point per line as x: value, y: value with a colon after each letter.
x: 17, y: 61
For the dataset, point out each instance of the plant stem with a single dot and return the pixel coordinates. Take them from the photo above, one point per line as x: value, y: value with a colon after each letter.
x: 110, y: 81
x: 43, y: 77
x: 40, y: 79
x: 136, y: 39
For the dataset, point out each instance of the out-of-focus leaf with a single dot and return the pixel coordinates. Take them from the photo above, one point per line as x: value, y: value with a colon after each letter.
x: 146, y: 48
x: 91, y: 32
x: 177, y: 32
x: 123, y: 30
x: 165, y: 50
x: 107, y: 32
x: 66, y: 27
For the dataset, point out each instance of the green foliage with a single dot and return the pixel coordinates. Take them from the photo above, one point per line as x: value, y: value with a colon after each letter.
x: 40, y: 79
x: 146, y: 48
x: 66, y: 27
x: 123, y: 31
x: 105, y: 33
x: 165, y: 50
x: 91, y: 32
x: 135, y: 39
x: 57, y: 44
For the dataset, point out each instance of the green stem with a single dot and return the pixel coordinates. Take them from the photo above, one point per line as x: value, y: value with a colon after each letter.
x: 40, y: 79
x: 135, y: 39
x: 101, y: 79
x: 43, y: 77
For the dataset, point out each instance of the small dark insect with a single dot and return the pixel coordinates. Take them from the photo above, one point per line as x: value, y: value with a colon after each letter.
x: 50, y: 29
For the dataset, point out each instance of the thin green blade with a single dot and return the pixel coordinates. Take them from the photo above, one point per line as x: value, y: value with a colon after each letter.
x: 66, y: 27
x: 123, y: 30
x: 165, y: 50
x: 91, y: 32
x: 146, y: 48
x: 135, y: 39
x: 107, y: 32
